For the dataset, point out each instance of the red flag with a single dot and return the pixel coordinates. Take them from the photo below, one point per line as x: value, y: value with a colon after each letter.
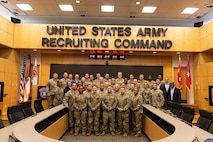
x: 180, y: 74
x: 188, y: 75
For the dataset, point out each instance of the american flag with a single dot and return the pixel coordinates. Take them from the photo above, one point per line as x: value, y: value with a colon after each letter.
x: 22, y: 80
x: 25, y: 79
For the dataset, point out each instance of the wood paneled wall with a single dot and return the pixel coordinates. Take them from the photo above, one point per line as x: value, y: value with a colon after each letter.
x: 9, y: 73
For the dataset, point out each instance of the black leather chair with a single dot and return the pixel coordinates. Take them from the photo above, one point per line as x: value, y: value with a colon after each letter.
x: 177, y: 109
x: 204, y: 120
x: 27, y: 110
x: 38, y: 106
x: 187, y: 114
x: 168, y: 105
x: 1, y: 124
x: 210, y: 129
x: 15, y: 114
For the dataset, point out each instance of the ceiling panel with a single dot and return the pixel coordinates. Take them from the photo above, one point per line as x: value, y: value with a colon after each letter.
x: 166, y: 9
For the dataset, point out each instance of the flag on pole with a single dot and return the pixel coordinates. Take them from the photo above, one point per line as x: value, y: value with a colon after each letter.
x: 22, y: 80
x: 25, y: 79
x: 188, y: 75
x: 35, y: 72
x: 180, y: 74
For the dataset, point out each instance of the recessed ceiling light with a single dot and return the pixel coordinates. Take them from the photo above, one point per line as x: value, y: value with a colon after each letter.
x: 209, y: 6
x: 24, y: 7
x: 66, y: 7
x: 107, y: 8
x: 137, y: 2
x: 34, y: 50
x: 154, y: 52
x: 130, y: 52
x: 58, y: 50
x: 189, y: 10
x: 77, y: 1
x: 4, y: 1
x: 148, y: 9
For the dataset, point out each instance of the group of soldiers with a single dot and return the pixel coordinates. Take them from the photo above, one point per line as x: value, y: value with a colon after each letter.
x: 96, y: 105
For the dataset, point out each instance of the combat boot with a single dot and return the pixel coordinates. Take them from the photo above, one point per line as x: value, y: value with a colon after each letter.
x: 89, y: 133
x: 96, y: 133
x: 103, y: 133
x: 112, y: 133
x: 119, y: 133
x: 71, y: 131
x: 83, y: 134
x: 137, y: 135
x: 125, y: 134
x: 76, y: 134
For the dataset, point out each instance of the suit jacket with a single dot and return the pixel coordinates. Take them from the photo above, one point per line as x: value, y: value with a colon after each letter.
x: 166, y: 93
x: 176, y: 96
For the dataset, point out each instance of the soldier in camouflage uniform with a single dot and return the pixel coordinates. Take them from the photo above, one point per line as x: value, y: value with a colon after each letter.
x: 109, y: 103
x: 80, y: 111
x: 146, y: 93
x: 50, y: 89
x: 64, y: 80
x: 141, y: 80
x: 68, y: 102
x: 136, y: 108
x: 157, y: 97
x: 150, y: 81
x: 119, y: 80
x: 94, y: 102
x: 59, y: 94
x: 88, y: 91
x: 123, y: 104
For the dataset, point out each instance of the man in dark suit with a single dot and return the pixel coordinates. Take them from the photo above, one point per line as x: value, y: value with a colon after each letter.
x: 175, y: 95
x: 165, y: 87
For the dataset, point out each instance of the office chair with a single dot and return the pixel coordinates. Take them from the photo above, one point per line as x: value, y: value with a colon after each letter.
x: 177, y: 109
x: 210, y: 129
x: 204, y: 120
x: 27, y: 110
x: 1, y: 124
x: 15, y: 114
x: 187, y: 114
x: 38, y: 106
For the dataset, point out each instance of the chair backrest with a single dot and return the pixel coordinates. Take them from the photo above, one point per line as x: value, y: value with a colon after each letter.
x: 1, y: 124
x: 27, y: 110
x: 187, y: 114
x: 38, y: 106
x: 177, y: 109
x: 169, y: 105
x: 204, y: 120
x: 210, y: 129
x: 14, y: 113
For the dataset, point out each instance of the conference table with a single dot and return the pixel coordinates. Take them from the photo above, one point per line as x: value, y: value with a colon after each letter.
x: 50, y: 125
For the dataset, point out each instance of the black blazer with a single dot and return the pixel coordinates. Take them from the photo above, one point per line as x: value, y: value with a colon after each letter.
x: 166, y: 94
x: 176, y: 96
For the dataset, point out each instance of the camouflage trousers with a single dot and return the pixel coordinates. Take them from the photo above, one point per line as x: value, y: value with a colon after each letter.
x: 93, y: 120
x: 137, y: 121
x: 80, y: 119
x: 50, y: 101
x: 71, y: 118
x: 123, y: 121
x: 109, y: 116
